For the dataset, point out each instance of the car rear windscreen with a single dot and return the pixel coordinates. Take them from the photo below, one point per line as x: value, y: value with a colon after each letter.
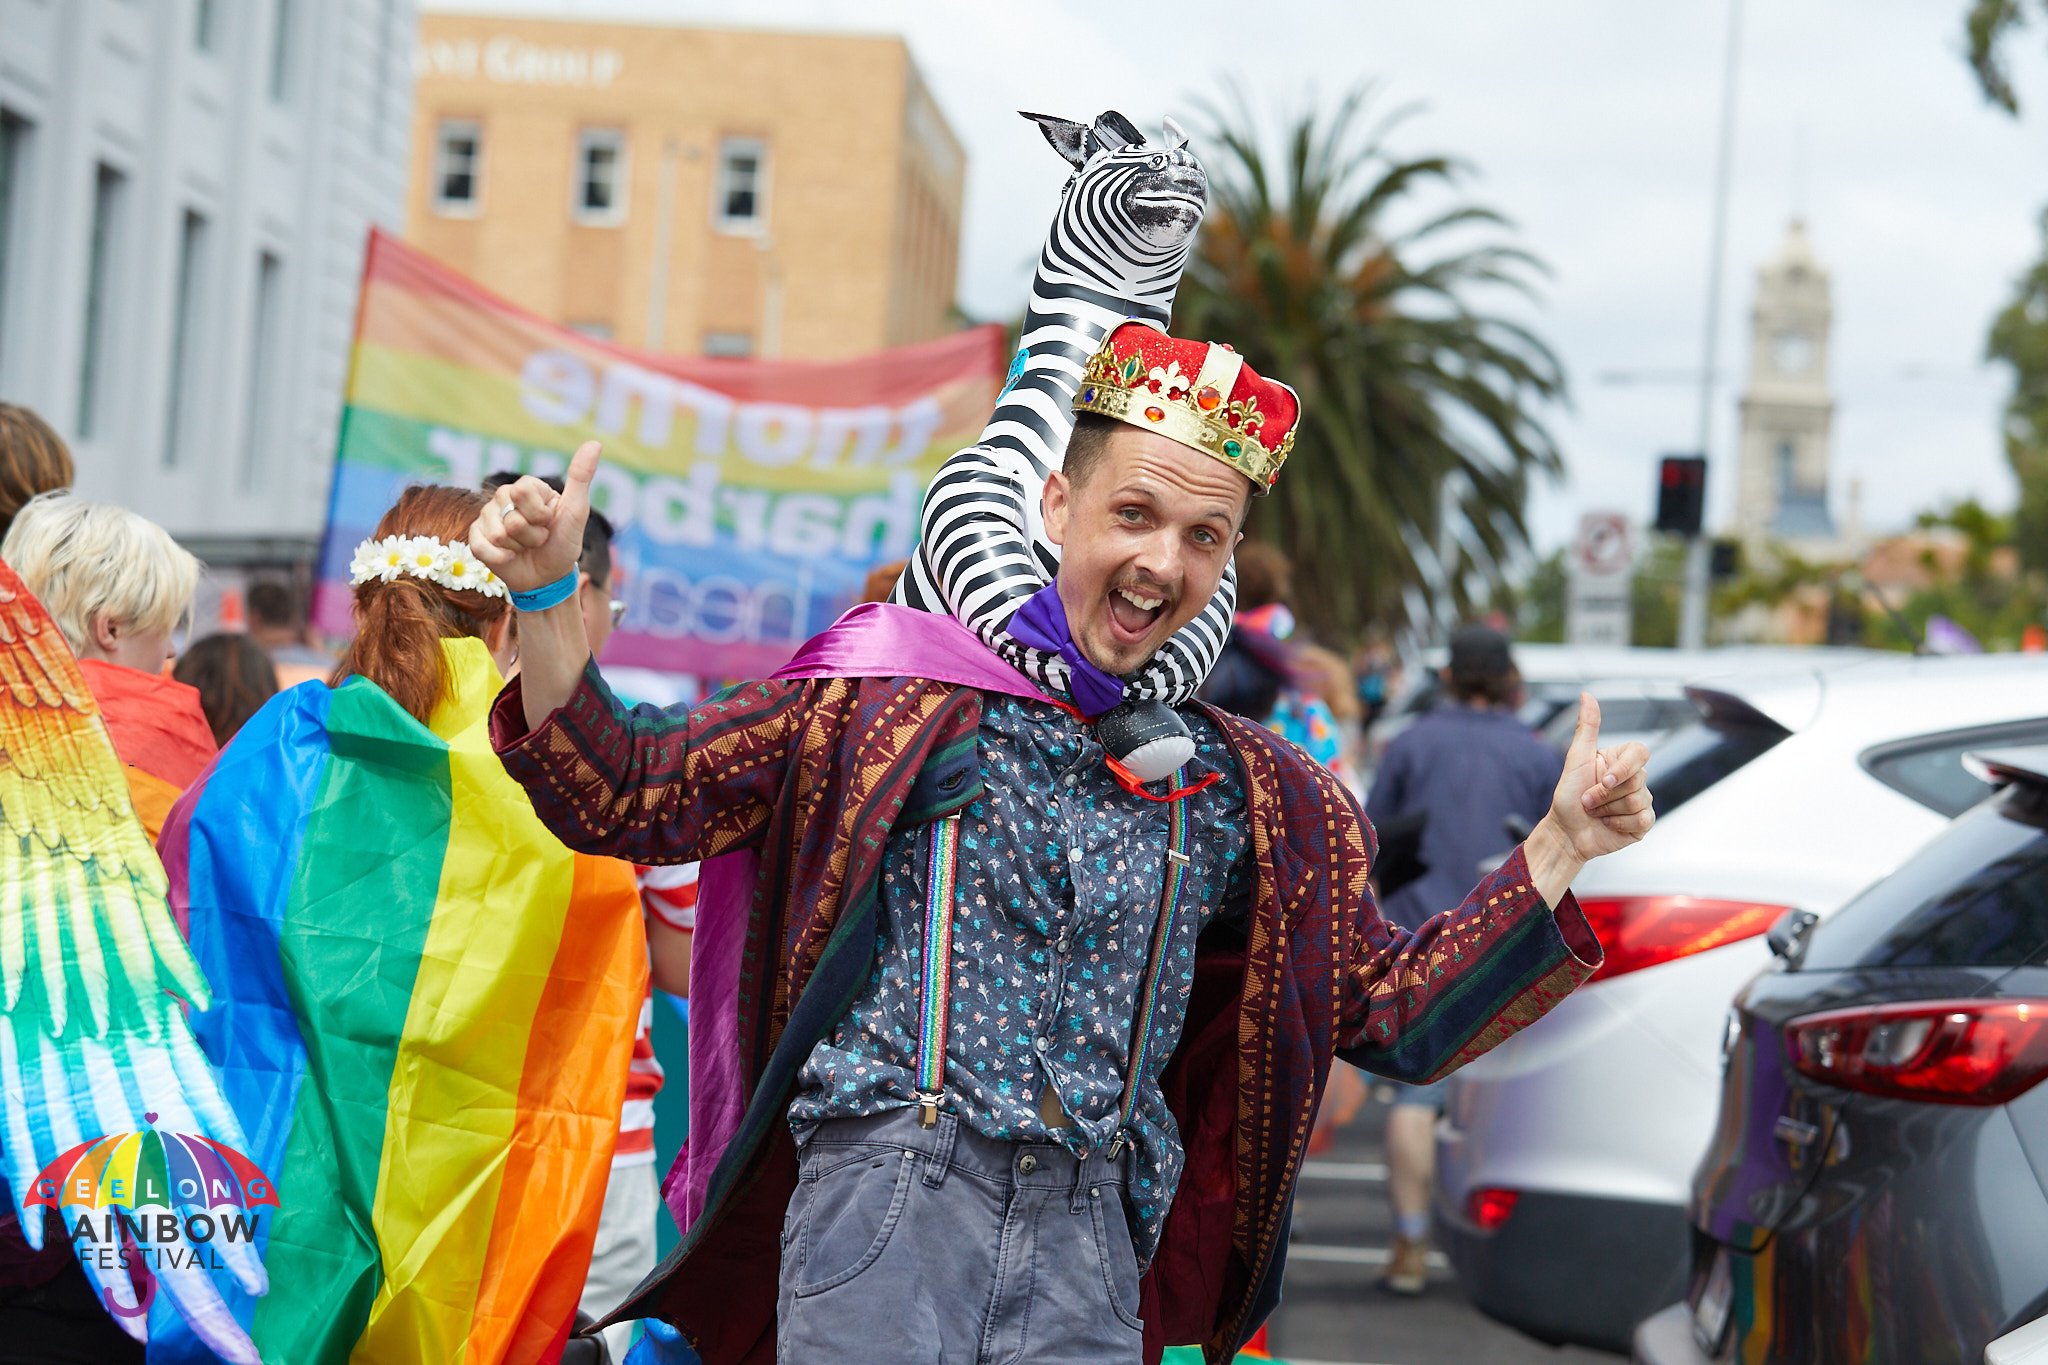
x: 1929, y: 768
x: 1977, y: 896
x: 1643, y: 718
x: 1696, y: 757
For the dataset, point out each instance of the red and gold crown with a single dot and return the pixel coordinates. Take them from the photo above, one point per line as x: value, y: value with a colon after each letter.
x: 1201, y: 395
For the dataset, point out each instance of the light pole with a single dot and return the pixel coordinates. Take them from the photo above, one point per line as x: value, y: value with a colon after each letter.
x: 1692, y: 615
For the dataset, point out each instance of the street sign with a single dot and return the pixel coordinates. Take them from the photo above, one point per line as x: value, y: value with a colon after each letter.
x: 1598, y: 605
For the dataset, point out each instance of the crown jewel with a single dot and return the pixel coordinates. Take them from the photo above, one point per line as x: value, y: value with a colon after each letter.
x: 1195, y: 410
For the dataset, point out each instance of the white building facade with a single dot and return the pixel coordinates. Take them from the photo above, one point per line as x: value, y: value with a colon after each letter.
x: 186, y: 188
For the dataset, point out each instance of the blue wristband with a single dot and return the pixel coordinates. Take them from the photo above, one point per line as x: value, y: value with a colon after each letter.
x: 548, y: 595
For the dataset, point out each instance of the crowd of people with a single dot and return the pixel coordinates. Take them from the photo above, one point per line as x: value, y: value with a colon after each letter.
x: 461, y: 592
x: 121, y: 591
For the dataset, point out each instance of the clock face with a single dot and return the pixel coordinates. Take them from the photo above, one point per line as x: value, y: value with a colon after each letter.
x: 1791, y: 353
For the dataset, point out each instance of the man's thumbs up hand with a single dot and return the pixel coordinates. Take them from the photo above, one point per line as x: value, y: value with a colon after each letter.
x: 531, y: 536
x: 1601, y: 803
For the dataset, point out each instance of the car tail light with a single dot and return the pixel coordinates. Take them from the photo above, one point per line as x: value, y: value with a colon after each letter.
x: 1642, y: 931
x: 1489, y: 1209
x: 1945, y: 1051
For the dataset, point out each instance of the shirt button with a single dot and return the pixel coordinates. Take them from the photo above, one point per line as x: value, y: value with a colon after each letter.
x: 1061, y: 944
x: 1026, y: 1164
x: 1068, y: 780
x: 1073, y: 855
x: 1041, y: 1043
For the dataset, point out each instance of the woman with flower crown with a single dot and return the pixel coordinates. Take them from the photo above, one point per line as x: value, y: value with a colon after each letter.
x: 425, y: 1004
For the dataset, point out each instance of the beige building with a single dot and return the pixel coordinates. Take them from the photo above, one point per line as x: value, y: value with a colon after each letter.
x: 714, y: 191
x: 1788, y: 407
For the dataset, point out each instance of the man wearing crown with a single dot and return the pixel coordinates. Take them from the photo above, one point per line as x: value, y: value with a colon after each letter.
x: 1020, y: 1053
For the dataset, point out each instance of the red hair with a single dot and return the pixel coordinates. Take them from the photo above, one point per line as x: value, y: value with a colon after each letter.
x: 400, y: 625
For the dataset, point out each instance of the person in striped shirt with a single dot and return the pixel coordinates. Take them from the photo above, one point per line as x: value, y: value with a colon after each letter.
x: 626, y: 1231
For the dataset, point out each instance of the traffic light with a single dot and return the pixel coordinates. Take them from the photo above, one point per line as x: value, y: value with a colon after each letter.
x: 1681, y: 494
x: 1725, y: 560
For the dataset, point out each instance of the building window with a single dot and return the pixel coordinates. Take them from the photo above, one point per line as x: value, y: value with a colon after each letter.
x: 13, y: 172
x: 731, y: 344
x: 204, y: 31
x: 263, y: 343
x: 600, y: 176
x: 458, y: 166
x: 109, y: 204
x: 741, y: 204
x: 280, y: 50
x: 185, y: 334
x: 1787, y: 469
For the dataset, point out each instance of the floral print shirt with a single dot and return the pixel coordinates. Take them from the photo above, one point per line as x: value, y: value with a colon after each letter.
x: 1060, y: 875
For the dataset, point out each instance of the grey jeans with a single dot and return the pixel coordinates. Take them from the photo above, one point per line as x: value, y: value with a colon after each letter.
x: 912, y: 1245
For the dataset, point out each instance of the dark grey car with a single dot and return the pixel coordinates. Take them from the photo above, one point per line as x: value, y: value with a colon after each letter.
x: 1877, y: 1187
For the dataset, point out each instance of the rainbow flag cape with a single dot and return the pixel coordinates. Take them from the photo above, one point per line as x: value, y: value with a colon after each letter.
x: 424, y: 1009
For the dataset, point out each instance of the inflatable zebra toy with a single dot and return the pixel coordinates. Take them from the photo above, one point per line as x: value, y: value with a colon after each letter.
x: 1126, y: 221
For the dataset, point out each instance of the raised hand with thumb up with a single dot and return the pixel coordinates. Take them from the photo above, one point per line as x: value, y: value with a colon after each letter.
x: 531, y: 536
x: 1601, y: 805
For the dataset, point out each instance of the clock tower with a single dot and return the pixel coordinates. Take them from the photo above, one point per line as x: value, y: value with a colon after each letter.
x: 1782, y: 476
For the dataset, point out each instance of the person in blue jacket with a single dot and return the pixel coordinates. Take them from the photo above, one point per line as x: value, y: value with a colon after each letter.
x: 1463, y: 772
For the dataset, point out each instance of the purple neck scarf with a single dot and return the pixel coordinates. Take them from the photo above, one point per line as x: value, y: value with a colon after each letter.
x: 1041, y: 623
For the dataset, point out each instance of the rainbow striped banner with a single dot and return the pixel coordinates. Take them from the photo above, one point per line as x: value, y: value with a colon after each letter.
x: 424, y: 1007
x: 751, y: 497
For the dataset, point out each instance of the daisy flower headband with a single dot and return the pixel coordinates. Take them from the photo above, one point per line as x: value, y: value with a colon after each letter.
x: 451, y: 565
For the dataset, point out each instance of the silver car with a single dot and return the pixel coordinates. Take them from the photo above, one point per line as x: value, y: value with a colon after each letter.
x: 1566, y: 1155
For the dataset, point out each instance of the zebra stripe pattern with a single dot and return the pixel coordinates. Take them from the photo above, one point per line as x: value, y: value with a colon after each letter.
x: 1116, y: 251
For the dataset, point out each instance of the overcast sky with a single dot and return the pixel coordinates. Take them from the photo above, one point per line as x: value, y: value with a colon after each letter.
x: 1593, y: 125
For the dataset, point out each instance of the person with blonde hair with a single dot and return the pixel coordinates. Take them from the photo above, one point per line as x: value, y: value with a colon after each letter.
x: 118, y: 587
x: 114, y: 581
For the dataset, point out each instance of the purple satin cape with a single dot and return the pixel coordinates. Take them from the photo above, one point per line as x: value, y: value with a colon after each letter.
x: 874, y: 640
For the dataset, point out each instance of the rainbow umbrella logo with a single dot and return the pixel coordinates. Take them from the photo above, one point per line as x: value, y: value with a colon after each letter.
x: 177, y: 1202
x: 152, y: 1169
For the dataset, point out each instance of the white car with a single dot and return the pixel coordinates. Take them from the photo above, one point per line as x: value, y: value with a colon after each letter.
x: 1640, y: 684
x: 1566, y: 1155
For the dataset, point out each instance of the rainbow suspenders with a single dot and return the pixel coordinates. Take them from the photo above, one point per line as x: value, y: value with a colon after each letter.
x: 942, y: 875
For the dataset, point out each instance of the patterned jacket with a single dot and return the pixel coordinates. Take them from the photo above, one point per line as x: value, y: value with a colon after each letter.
x: 815, y: 775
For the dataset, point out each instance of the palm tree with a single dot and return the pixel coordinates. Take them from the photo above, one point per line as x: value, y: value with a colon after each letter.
x: 1414, y: 404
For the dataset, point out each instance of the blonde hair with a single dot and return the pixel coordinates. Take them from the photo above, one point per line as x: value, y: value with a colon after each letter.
x: 85, y: 560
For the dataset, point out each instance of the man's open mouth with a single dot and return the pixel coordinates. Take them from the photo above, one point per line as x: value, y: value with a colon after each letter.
x: 1132, y: 614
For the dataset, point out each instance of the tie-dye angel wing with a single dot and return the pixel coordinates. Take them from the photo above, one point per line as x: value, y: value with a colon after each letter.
x: 94, y: 1043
